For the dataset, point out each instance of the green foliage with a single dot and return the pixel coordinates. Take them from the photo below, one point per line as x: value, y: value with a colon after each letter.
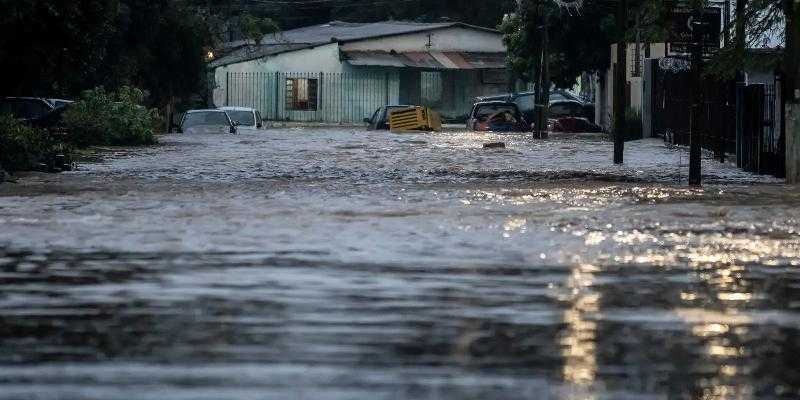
x: 254, y: 28
x: 520, y: 57
x: 53, y: 48
x: 23, y: 148
x: 578, y: 41
x: 160, y: 46
x: 763, y: 22
x: 59, y: 48
x: 633, y: 124
x: 108, y: 118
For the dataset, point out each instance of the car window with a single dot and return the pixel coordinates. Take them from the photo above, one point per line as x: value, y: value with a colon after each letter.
x: 491, y: 111
x: 212, y: 118
x: 564, y: 109
x: 245, y: 118
x: 525, y: 103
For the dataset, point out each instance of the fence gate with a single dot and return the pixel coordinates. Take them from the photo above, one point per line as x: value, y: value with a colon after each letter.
x: 758, y: 130
x: 312, y: 97
x: 670, y: 106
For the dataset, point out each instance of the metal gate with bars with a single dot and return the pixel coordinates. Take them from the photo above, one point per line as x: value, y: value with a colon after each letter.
x: 759, y: 146
x: 312, y: 97
x: 743, y: 120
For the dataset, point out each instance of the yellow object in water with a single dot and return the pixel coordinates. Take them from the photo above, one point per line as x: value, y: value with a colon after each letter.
x: 415, y: 119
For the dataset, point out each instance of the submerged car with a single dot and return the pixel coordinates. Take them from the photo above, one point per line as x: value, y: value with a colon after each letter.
x: 207, y: 121
x: 25, y: 108
x: 380, y: 118
x: 526, y: 102
x: 573, y: 125
x: 248, y: 119
x: 58, y: 103
x: 497, y: 116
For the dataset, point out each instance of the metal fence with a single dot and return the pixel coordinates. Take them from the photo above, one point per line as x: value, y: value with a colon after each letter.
x: 312, y: 97
x: 743, y: 119
x: 759, y: 147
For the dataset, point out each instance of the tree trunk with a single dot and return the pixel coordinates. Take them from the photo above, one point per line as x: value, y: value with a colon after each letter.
x: 791, y: 92
x: 741, y: 38
x: 620, y: 78
x: 544, y: 100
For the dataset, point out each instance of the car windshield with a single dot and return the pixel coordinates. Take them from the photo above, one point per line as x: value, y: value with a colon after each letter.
x: 205, y: 118
x: 496, y: 113
x: 525, y: 103
x: 243, y: 117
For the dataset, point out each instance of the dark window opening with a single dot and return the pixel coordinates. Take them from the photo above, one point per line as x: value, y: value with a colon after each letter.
x: 301, y: 94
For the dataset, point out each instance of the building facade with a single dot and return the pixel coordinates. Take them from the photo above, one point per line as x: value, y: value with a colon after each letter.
x: 341, y: 72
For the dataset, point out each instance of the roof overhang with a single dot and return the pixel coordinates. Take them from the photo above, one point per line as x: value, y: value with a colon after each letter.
x: 446, y: 60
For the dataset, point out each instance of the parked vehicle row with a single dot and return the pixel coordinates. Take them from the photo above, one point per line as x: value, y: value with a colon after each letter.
x: 221, y: 120
x: 567, y: 113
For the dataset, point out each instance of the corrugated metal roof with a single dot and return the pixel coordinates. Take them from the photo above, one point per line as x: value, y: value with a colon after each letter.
x: 254, y: 52
x: 337, y: 31
x: 427, y: 60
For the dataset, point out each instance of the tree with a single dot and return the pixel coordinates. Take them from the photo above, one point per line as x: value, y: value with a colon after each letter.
x: 53, y: 48
x: 255, y: 28
x: 579, y: 41
x: 160, y: 46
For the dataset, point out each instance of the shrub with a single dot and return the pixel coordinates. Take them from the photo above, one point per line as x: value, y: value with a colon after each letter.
x: 108, y: 118
x: 633, y: 124
x: 23, y: 148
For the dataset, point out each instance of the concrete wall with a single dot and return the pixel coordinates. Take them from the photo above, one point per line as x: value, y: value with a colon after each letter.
x: 792, y: 143
x: 458, y: 87
x: 657, y: 50
x: 325, y: 59
x: 341, y: 97
x: 451, y: 39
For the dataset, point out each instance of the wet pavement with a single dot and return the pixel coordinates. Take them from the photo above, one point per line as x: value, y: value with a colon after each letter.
x: 340, y: 264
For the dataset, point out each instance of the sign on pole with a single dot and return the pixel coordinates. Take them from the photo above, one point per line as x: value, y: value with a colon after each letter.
x: 681, y: 28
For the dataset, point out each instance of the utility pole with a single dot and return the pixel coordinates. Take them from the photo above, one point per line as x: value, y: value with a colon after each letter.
x: 791, y: 81
x: 740, y: 37
x: 543, y: 98
x: 532, y: 22
x: 696, y: 116
x: 620, y: 78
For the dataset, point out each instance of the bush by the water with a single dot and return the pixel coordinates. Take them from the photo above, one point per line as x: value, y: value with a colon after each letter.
x: 23, y: 148
x: 111, y: 118
x: 633, y: 124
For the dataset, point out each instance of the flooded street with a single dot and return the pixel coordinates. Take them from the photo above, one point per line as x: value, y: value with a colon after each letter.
x: 342, y: 264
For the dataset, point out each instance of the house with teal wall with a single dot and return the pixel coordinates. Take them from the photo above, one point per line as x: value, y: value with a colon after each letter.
x: 341, y: 72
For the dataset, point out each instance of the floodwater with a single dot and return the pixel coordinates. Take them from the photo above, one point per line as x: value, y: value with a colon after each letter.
x: 341, y: 264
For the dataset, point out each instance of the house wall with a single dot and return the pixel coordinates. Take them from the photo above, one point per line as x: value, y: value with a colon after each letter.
x: 341, y: 97
x: 325, y: 59
x: 451, y: 39
x: 354, y: 92
x: 635, y: 83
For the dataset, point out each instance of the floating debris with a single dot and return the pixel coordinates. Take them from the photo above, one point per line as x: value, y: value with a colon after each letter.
x: 494, y: 145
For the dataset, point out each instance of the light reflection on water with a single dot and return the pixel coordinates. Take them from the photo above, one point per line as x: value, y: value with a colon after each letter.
x: 389, y: 267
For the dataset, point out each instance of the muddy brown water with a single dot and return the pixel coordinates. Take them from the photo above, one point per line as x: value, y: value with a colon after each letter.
x: 339, y: 264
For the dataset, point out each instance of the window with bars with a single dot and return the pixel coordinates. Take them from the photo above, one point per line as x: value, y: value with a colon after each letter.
x: 301, y: 94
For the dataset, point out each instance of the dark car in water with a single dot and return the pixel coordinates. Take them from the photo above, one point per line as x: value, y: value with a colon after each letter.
x: 25, y: 108
x: 380, y: 118
x: 52, y: 121
x: 207, y: 121
x: 526, y: 101
x: 497, y: 116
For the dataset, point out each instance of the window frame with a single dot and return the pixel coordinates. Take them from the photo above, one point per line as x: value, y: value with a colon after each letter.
x: 311, y: 101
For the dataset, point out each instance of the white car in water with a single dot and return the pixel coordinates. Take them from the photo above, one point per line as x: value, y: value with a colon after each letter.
x: 207, y: 121
x: 248, y: 119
